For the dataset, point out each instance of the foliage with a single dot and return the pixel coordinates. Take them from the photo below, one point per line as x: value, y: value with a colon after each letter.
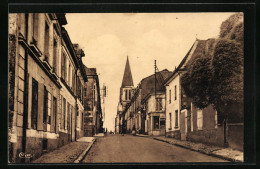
x: 227, y: 81
x: 227, y: 26
x: 195, y: 80
x: 214, y: 74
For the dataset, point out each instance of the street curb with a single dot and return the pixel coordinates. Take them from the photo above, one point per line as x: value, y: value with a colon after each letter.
x: 84, y: 153
x: 203, y: 152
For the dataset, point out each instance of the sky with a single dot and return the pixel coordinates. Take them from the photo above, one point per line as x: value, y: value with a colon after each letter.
x: 108, y: 38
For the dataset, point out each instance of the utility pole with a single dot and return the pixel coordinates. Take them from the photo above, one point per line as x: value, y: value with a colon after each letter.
x: 155, y: 78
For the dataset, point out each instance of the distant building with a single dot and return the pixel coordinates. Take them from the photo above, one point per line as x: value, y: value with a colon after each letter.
x: 140, y: 112
x: 93, y: 123
x: 126, y: 92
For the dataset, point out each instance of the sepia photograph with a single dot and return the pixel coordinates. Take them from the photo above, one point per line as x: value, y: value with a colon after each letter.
x: 86, y: 88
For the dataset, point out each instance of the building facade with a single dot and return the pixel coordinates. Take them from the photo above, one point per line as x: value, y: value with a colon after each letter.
x: 142, y: 105
x: 43, y: 69
x: 174, y: 98
x: 93, y: 123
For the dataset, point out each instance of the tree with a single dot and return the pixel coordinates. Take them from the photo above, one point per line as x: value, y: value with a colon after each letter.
x: 214, y: 74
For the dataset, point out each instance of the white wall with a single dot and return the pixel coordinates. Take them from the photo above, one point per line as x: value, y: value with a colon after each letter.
x: 174, y: 105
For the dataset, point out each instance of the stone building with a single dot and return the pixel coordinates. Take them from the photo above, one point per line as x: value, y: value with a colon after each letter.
x: 93, y: 123
x: 43, y: 70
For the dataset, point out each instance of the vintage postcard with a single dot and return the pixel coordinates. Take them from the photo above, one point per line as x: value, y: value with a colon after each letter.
x: 129, y: 87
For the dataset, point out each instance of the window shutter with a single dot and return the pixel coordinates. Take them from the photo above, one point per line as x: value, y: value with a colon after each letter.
x: 68, y: 117
x: 40, y: 106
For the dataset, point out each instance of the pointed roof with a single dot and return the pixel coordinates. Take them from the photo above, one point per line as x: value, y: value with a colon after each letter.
x: 127, y: 78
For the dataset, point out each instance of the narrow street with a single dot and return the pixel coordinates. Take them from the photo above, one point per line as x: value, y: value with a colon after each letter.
x: 134, y: 149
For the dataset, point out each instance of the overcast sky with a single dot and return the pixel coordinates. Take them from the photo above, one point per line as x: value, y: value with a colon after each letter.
x: 107, y: 39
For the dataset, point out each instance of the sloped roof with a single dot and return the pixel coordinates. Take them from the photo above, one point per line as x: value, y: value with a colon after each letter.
x: 184, y: 60
x: 90, y: 71
x: 147, y: 84
x: 127, y: 78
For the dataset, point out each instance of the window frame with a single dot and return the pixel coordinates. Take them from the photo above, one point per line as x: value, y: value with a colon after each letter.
x: 200, y: 119
x: 34, y: 108
x: 176, y: 119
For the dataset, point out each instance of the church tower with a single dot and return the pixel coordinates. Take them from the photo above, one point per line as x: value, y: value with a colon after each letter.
x: 126, y: 93
x: 127, y: 85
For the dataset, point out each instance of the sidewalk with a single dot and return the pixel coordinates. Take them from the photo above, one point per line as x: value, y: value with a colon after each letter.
x: 220, y: 152
x: 66, y: 154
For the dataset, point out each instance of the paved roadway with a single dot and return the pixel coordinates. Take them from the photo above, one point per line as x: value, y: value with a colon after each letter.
x: 134, y: 149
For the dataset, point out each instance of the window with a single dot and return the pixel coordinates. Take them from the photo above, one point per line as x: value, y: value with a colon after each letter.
x: 176, y: 119
x: 156, y: 122
x: 64, y: 113
x: 129, y: 94
x: 55, y: 54
x: 170, y: 117
x: 34, y: 111
x: 55, y: 112
x: 125, y: 94
x: 45, y: 105
x: 199, y: 119
x: 35, y: 26
x: 63, y: 66
x: 162, y: 122
x: 69, y: 76
x: 94, y: 94
x: 73, y: 80
x: 49, y: 108
x: 175, y: 92
x: 82, y: 120
x: 216, y: 119
x: 158, y: 104
x: 170, y: 96
x: 68, y: 117
x: 46, y: 42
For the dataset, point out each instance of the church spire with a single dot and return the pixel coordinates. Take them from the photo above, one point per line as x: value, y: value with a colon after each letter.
x: 127, y: 79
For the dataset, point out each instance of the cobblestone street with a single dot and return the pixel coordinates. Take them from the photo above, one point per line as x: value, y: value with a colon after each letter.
x: 134, y: 149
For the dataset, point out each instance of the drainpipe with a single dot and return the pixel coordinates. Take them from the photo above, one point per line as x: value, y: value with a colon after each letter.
x: 76, y: 98
x: 25, y: 107
x: 76, y: 108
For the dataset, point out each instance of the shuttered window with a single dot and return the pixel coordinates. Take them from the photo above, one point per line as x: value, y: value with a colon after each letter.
x: 170, y: 116
x: 199, y: 119
x: 68, y: 117
x: 35, y: 26
x: 45, y: 105
x: 64, y: 113
x: 55, y: 54
x: 46, y: 42
x: 176, y: 119
x: 170, y: 96
x: 34, y: 110
x: 175, y: 92
x: 55, y: 113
